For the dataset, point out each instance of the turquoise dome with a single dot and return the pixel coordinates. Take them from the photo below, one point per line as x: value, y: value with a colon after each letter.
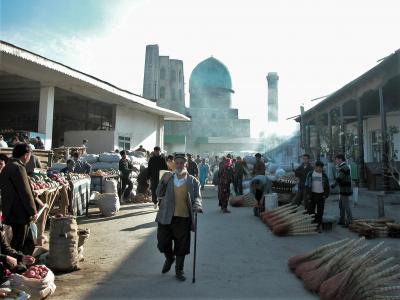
x: 210, y: 73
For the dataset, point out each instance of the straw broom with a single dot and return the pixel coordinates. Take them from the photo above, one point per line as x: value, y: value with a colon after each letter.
x: 295, y: 221
x: 374, y: 281
x: 378, y: 292
x: 286, y: 217
x: 281, y: 216
x: 367, y: 282
x: 307, y: 229
x: 359, y: 267
x: 362, y: 274
x: 294, y: 261
x: 277, y: 211
x: 313, y: 264
x: 314, y: 278
x: 331, y: 288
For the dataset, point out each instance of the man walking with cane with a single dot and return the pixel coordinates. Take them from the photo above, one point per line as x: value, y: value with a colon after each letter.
x: 179, y: 201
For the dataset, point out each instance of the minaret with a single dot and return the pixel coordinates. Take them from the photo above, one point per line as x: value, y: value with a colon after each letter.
x: 272, y: 79
x: 151, y: 79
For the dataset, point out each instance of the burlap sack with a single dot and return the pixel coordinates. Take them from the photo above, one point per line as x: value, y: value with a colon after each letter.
x: 63, y: 246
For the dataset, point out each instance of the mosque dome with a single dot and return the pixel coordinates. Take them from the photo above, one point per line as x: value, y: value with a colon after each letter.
x: 210, y: 74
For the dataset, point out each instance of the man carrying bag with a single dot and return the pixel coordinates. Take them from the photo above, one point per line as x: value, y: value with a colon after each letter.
x: 179, y: 199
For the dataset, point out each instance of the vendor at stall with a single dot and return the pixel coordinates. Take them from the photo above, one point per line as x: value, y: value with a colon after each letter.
x: 81, y: 167
x: 259, y: 186
x: 18, y: 204
x: 32, y: 164
x: 11, y: 258
x: 69, y: 168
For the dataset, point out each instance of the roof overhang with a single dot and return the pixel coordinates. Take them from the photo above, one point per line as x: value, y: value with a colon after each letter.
x: 26, y: 64
x: 374, y: 78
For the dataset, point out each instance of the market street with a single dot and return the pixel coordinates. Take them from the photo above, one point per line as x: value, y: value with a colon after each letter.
x: 238, y: 257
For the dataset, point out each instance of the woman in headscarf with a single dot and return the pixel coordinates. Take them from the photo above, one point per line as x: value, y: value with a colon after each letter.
x: 225, y: 178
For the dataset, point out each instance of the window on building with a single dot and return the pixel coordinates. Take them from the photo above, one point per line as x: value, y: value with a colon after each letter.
x: 180, y: 95
x: 162, y: 74
x: 180, y: 75
x: 124, y: 143
x: 173, y: 94
x: 162, y: 92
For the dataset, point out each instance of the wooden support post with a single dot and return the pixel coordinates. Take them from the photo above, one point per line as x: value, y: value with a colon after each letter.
x: 385, y: 152
x: 330, y: 134
x: 360, y: 140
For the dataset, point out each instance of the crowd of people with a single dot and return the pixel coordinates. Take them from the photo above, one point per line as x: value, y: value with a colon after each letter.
x: 314, y: 189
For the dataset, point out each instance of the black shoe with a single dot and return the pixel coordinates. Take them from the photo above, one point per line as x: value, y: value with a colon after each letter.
x: 179, y: 274
x: 167, y: 265
x: 180, y: 262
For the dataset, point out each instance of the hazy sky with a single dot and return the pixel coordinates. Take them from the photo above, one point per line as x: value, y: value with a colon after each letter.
x: 315, y: 46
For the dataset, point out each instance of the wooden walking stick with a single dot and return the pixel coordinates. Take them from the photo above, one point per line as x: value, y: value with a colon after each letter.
x: 195, y: 246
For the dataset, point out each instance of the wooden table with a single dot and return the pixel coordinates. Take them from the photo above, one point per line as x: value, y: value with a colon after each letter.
x: 48, y: 196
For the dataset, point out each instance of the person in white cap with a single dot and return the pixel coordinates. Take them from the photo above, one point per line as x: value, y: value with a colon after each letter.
x: 179, y: 197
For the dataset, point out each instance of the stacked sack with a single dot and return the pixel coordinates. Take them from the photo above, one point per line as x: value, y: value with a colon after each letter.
x: 63, y: 245
x: 107, y: 161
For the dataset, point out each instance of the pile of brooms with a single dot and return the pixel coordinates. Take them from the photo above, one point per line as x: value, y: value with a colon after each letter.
x: 246, y: 200
x: 346, y: 270
x: 289, y: 219
x: 374, y: 228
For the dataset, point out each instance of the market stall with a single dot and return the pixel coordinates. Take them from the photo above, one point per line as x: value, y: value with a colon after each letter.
x: 47, y: 188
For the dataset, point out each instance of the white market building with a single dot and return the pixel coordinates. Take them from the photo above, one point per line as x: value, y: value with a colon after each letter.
x: 41, y: 95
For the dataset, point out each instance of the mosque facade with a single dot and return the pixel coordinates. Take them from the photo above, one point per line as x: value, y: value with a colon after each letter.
x: 215, y: 126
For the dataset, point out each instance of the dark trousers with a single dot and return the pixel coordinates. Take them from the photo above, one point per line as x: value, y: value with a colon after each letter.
x: 178, y: 233
x: 317, y: 200
x: 22, y: 239
x: 154, y: 184
x: 238, y: 186
x: 126, y: 191
x: 344, y: 207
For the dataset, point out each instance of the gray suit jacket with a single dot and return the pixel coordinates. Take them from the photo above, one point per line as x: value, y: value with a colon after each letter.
x: 167, y: 202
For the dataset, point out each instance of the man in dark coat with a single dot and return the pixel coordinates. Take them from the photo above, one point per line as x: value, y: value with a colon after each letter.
x: 156, y: 164
x: 301, y: 173
x: 192, y: 166
x: 125, y: 168
x: 18, y: 203
x: 343, y: 179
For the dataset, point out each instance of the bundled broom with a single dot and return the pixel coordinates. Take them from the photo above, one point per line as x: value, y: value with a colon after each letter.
x: 294, y: 261
x: 345, y: 271
x: 289, y: 219
x: 314, y: 278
